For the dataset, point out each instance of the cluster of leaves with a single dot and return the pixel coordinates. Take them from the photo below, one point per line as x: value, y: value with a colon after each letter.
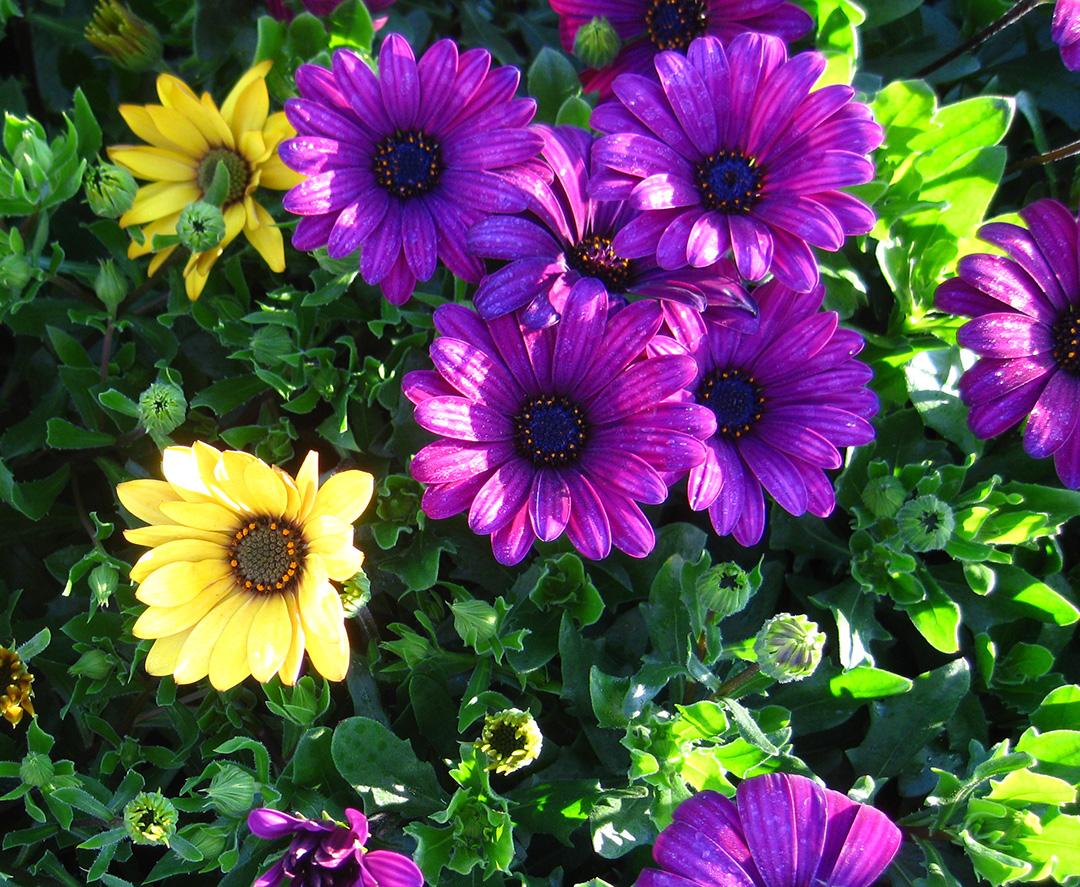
x: 944, y: 581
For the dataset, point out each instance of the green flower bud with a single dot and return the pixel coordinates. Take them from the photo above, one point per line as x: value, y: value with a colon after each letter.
x: 162, y: 408
x: 102, y: 583
x: 15, y: 272
x: 201, y: 226
x: 150, y: 818
x: 36, y: 769
x: 596, y: 43
x: 925, y: 523
x: 725, y: 589
x: 130, y: 42
x: 355, y: 594
x: 110, y: 190
x: 110, y: 285
x: 565, y: 585
x: 399, y: 499
x: 94, y: 664
x: 232, y: 791
x: 883, y: 495
x: 788, y: 647
x: 511, y: 739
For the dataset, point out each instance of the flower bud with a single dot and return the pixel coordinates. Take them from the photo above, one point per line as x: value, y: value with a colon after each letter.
x: 511, y: 739
x: 129, y: 41
x: 232, y: 791
x: 110, y: 285
x: 355, y: 594
x: 925, y: 523
x: 883, y: 495
x: 36, y: 769
x: 109, y: 189
x: 596, y: 43
x: 399, y: 499
x: 725, y: 589
x: 150, y: 818
x: 94, y: 664
x: 162, y: 408
x: 201, y: 226
x: 15, y: 272
x: 788, y: 647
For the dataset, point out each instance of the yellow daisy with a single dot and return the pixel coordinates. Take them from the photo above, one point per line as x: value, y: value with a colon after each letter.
x: 238, y: 576
x: 187, y: 137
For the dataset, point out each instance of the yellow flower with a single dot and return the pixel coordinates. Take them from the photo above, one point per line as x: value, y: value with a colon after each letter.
x: 187, y: 138
x: 15, y: 691
x: 238, y: 576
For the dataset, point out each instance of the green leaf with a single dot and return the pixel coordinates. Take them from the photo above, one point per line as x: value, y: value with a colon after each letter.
x: 87, y: 126
x: 867, y: 682
x: 119, y: 402
x: 82, y: 800
x: 551, y: 81
x: 1020, y: 591
x: 937, y: 617
x: 1056, y: 843
x: 226, y: 395
x: 1057, y: 751
x: 1028, y: 787
x: 37, y: 644
x: 575, y: 111
x: 63, y: 435
x: 1059, y: 710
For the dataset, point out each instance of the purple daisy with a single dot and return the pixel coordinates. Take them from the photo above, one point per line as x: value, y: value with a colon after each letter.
x: 1066, y: 32
x: 1026, y: 330
x: 326, y: 854
x: 404, y: 163
x: 563, y: 428
x: 566, y: 236
x: 648, y: 26
x: 781, y: 831
x: 734, y: 149
x: 786, y: 398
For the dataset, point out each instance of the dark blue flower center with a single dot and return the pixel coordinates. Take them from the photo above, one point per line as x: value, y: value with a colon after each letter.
x: 729, y: 181
x: 1067, y: 341
x: 734, y: 398
x: 550, y: 430
x: 408, y: 163
x: 673, y: 24
x: 594, y: 257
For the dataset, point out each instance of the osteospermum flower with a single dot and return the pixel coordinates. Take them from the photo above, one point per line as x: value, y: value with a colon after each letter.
x: 511, y: 739
x: 1026, y: 330
x: 188, y: 136
x: 734, y: 150
x: 786, y: 397
x: 566, y: 237
x: 15, y: 687
x: 1066, y: 32
x: 402, y: 164
x: 324, y: 853
x: 556, y: 429
x: 781, y: 831
x: 238, y: 578
x: 647, y: 27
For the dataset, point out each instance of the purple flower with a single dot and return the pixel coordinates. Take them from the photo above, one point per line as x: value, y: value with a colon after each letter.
x: 325, y: 854
x: 781, y: 831
x: 563, y: 428
x: 404, y: 163
x: 1066, y: 32
x: 733, y: 150
x: 786, y: 398
x: 648, y: 26
x: 565, y: 237
x: 280, y: 11
x: 1026, y: 330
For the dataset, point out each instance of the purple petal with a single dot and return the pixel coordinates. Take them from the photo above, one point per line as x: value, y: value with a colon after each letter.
x: 803, y: 217
x: 399, y: 283
x: 752, y: 244
x: 399, y: 81
x: 694, y: 854
x: 462, y: 419
x: 458, y: 322
x: 549, y: 504
x: 325, y: 193
x: 664, y: 191
x: 1053, y: 419
x: 624, y: 472
x: 1067, y: 461
x: 270, y: 825
x: 993, y: 417
x: 625, y: 338
x: 389, y: 869
x: 793, y: 262
x: 708, y: 240
x: 490, y: 150
x: 1054, y: 228
x: 673, y: 245
x: 436, y: 68
x: 1006, y: 335
x: 638, y: 238
x: 582, y: 326
x: 505, y: 492
x: 1022, y: 248
x: 361, y: 87
x: 476, y: 374
x: 642, y: 386
x: 784, y: 820
x: 860, y: 842
x: 509, y: 238
x: 688, y: 99
x: 991, y: 378
x: 706, y: 480
x: 311, y: 232
x: 419, y: 239
x: 637, y: 155
x: 588, y: 529
x: 750, y: 523
x: 664, y: 450
x: 354, y: 225
x: 313, y: 119
x: 448, y: 461
x: 272, y: 876
x: 312, y: 155
x: 775, y: 473
x: 631, y: 531
x: 445, y: 500
x: 512, y: 541
x: 515, y: 285
x: 420, y: 385
x: 482, y: 190
x: 645, y: 99
x: 382, y: 249
x: 1006, y: 281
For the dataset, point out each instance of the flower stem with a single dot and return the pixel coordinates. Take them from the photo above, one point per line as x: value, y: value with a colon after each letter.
x: 1062, y: 153
x: 1014, y: 14
x: 731, y: 688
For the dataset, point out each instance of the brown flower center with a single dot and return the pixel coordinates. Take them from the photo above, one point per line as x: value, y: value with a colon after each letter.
x: 235, y: 165
x: 267, y: 554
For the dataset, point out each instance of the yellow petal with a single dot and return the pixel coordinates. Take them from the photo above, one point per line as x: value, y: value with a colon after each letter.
x: 159, y: 534
x: 268, y: 495
x: 307, y: 482
x: 158, y: 164
x: 143, y: 498
x: 231, y: 107
x: 194, y: 660
x: 194, y: 283
x: 229, y: 659
x: 157, y: 201
x: 277, y: 129
x: 295, y: 500
x: 161, y: 660
x: 206, y: 118
x: 274, y: 174
x: 270, y: 638
x: 175, y: 585
x: 342, y: 562
x: 171, y: 552
x: 324, y: 622
x: 253, y: 148
x: 344, y: 496
x: 229, y: 479
x: 138, y: 119
x: 179, y: 130
x: 159, y: 622
x: 163, y: 226
x: 265, y: 237
x: 203, y: 516
x: 181, y: 469
x: 290, y: 668
x: 160, y: 259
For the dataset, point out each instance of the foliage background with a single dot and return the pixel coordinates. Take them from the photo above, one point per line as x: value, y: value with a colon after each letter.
x: 936, y: 665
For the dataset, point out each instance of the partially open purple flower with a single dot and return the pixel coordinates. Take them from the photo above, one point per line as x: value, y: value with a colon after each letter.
x: 781, y: 831
x: 404, y: 163
x: 563, y: 428
x: 565, y: 237
x: 786, y: 397
x: 325, y: 854
x: 1026, y: 330
x: 733, y: 149
x: 649, y: 26
x: 1066, y: 32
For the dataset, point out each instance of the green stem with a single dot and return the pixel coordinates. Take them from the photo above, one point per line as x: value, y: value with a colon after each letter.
x: 1062, y: 153
x: 735, y: 686
x: 1014, y: 14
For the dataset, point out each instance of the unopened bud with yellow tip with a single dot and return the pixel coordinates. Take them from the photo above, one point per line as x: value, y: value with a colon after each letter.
x: 596, y: 43
x: 150, y: 818
x: 511, y: 739
x: 129, y: 41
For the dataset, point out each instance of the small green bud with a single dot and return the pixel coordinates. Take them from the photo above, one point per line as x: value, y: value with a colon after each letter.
x: 232, y: 791
x: 129, y: 41
x: 355, y: 594
x: 925, y: 523
x: 36, y: 769
x: 32, y: 157
x: 150, y: 818
x: 596, y: 43
x: 788, y: 647
x: 102, y: 583
x: 109, y: 189
x: 15, y: 272
x: 883, y: 495
x: 511, y: 739
x: 564, y: 585
x: 162, y: 408
x: 399, y: 499
x: 201, y: 226
x: 110, y: 285
x: 725, y: 589
x: 94, y: 664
